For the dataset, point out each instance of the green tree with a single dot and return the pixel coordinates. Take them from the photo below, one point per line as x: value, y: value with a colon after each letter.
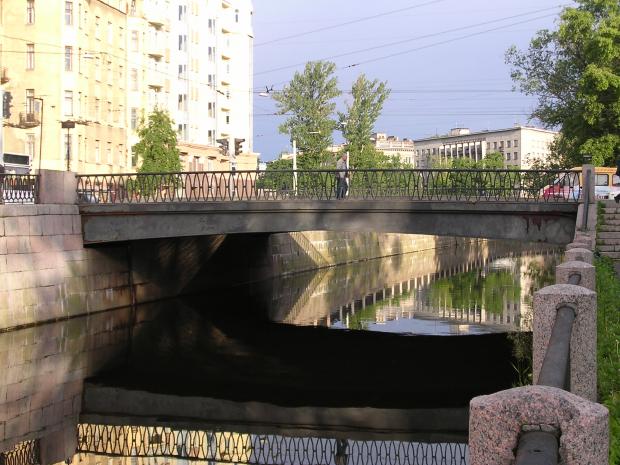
x: 575, y: 72
x: 359, y: 120
x: 157, y: 147
x: 308, y: 98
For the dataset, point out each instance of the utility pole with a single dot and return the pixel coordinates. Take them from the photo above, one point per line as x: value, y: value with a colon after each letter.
x: 295, y: 166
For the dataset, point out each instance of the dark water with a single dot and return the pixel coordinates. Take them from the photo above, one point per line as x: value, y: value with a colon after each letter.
x: 369, y: 363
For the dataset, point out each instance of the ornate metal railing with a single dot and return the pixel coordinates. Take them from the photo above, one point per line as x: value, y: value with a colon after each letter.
x: 228, y: 447
x: 437, y: 185
x: 19, y: 188
x: 24, y: 453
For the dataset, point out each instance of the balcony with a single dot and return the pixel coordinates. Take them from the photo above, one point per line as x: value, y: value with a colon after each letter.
x: 4, y: 76
x: 155, y: 80
x: 156, y: 17
x: 28, y: 120
x: 156, y: 50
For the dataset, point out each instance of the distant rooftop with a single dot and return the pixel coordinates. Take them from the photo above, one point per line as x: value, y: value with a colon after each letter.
x: 457, y: 132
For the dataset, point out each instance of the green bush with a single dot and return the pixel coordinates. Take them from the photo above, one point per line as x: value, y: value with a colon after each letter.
x: 608, y: 347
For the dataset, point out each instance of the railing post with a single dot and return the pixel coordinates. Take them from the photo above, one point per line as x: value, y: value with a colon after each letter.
x: 498, y: 420
x: 57, y: 187
x: 586, y: 271
x: 583, y: 338
x: 579, y: 254
x: 586, y: 216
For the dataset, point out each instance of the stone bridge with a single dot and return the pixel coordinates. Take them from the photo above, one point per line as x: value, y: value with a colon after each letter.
x: 534, y: 206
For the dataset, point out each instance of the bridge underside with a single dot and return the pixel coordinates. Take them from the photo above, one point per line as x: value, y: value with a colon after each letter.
x: 533, y: 222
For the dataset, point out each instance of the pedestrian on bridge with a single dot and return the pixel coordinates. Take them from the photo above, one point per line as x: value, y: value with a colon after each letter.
x: 342, y: 174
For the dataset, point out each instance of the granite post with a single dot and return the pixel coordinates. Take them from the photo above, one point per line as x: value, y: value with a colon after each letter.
x: 496, y: 421
x: 547, y: 301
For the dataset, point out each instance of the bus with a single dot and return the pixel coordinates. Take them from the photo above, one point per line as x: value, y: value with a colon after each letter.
x: 606, y: 184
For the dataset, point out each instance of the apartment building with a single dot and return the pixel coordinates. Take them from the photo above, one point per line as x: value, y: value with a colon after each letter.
x: 392, y: 146
x: 520, y: 146
x: 61, y: 62
x: 101, y: 66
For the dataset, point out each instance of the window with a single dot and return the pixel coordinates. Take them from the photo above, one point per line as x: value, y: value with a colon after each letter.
x: 121, y: 75
x: 30, y: 142
x: 97, y: 152
x: 97, y: 28
x: 121, y: 37
x: 182, y: 71
x: 30, y: 101
x: 211, y: 53
x: 182, y: 12
x: 508, y: 143
x: 236, y: 16
x: 211, y: 80
x: 134, y: 79
x: 135, y: 41
x: 601, y: 180
x: 29, y: 56
x: 78, y: 147
x: 211, y: 26
x: 121, y: 155
x: 182, y: 43
x: 182, y: 102
x: 615, y: 180
x: 110, y: 75
x: 79, y: 105
x: 508, y: 156
x: 68, y: 13
x: 134, y: 118
x: 495, y: 145
x: 110, y: 34
x: 29, y: 11
x: 109, y: 113
x: 68, y: 58
x: 501, y: 144
x: 516, y: 143
x: 68, y: 110
x: 516, y: 157
x: 211, y: 107
x: 108, y: 153
x: 227, y: 119
x: 97, y: 109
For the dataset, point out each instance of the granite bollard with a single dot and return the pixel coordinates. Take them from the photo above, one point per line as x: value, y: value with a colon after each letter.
x: 587, y: 272
x: 579, y: 255
x: 496, y: 421
x: 547, y: 301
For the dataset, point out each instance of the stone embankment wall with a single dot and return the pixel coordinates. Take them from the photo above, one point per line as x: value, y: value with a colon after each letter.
x: 47, y: 274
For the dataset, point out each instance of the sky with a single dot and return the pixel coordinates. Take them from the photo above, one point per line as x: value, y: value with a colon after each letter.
x: 447, y: 68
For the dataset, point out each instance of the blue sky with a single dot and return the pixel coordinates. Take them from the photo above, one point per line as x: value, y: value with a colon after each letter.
x: 448, y: 68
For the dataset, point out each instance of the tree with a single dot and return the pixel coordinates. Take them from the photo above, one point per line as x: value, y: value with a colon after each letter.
x: 575, y: 72
x: 359, y: 120
x: 158, y: 144
x: 309, y: 99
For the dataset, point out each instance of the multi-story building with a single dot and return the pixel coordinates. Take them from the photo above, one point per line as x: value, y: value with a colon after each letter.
x: 61, y: 62
x: 102, y: 66
x: 392, y: 146
x: 520, y: 146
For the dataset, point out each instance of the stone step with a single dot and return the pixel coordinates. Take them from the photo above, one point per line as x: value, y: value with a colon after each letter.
x: 612, y: 216
x: 608, y: 235
x: 609, y: 227
x: 612, y: 222
x: 609, y: 248
x: 614, y: 255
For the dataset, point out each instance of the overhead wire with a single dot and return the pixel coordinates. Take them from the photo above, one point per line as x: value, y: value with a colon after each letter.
x: 412, y: 39
x: 346, y: 23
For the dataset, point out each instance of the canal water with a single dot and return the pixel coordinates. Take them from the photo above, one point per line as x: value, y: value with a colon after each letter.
x: 369, y: 363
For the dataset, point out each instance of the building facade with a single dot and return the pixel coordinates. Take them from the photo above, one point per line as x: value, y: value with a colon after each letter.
x: 101, y: 66
x: 520, y: 146
x: 392, y: 146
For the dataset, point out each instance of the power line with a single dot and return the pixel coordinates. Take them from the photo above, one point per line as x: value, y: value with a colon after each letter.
x: 347, y: 23
x: 412, y: 39
x: 466, y: 36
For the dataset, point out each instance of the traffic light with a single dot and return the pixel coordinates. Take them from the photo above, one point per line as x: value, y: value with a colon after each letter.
x: 223, y: 146
x: 238, y: 143
x: 6, y: 104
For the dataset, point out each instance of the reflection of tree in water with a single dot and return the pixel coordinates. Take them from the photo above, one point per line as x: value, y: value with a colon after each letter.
x: 487, y: 290
x: 540, y: 272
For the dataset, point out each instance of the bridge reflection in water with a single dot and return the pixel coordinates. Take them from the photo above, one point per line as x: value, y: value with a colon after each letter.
x: 267, y: 449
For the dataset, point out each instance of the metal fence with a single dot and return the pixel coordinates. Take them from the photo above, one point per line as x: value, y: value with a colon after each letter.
x: 24, y: 453
x: 19, y: 188
x: 435, y: 185
x: 229, y: 447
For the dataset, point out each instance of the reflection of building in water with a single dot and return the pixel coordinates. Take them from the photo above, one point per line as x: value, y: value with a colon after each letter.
x: 490, y: 291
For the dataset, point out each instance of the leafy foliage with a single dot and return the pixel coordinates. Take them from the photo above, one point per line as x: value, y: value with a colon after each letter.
x: 158, y: 144
x: 358, y: 122
x: 309, y: 99
x: 608, y: 341
x: 575, y: 72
